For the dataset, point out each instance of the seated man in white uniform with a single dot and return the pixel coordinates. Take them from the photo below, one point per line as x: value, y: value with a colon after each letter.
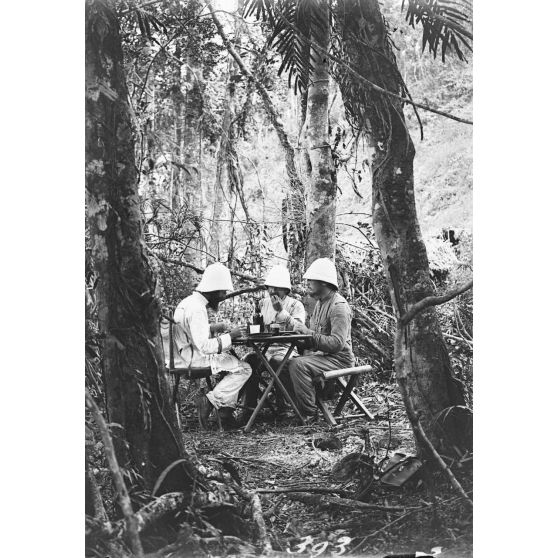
x: 195, y: 347
x: 276, y: 308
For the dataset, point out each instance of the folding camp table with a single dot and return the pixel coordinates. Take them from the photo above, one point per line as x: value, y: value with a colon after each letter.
x: 260, y: 342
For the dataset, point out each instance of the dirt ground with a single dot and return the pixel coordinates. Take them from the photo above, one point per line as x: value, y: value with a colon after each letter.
x: 300, y: 484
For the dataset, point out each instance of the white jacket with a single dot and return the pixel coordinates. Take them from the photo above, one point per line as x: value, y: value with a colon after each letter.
x: 192, y: 341
x: 292, y: 310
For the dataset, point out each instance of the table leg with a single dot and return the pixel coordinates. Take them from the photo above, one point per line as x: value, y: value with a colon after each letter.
x: 274, y: 378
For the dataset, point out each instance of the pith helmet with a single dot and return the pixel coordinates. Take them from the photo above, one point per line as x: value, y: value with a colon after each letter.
x: 216, y: 277
x: 278, y: 276
x: 322, y: 269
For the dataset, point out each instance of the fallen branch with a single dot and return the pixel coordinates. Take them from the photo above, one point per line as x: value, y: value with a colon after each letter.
x: 342, y: 502
x: 429, y: 301
x: 257, y: 514
x: 156, y: 509
x: 255, y: 460
x: 131, y: 520
x: 311, y: 490
x: 454, y: 482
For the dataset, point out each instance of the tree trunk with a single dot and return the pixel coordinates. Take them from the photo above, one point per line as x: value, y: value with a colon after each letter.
x: 422, y: 363
x: 147, y: 438
x: 323, y: 188
x: 296, y: 186
x: 222, y: 165
x: 192, y: 154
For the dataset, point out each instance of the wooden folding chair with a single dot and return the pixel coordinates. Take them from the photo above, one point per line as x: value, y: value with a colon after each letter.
x: 346, y: 394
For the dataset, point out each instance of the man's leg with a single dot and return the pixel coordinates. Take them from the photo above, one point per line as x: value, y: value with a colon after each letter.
x: 251, y: 388
x: 302, y: 370
x: 225, y: 393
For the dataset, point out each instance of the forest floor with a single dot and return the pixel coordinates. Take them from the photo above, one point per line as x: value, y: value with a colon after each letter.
x: 279, y: 456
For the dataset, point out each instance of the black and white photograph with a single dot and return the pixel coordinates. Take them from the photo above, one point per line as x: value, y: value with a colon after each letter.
x: 278, y: 278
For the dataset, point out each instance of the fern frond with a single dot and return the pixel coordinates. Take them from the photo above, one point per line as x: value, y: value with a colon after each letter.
x: 293, y: 22
x: 445, y: 24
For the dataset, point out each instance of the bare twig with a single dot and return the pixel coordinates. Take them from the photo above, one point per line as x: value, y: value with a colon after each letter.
x: 123, y: 496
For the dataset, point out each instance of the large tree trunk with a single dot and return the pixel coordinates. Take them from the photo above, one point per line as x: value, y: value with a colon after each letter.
x: 137, y: 390
x: 323, y: 180
x: 421, y: 359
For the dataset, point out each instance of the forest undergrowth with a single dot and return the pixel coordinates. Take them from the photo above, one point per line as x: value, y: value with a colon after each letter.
x: 318, y: 486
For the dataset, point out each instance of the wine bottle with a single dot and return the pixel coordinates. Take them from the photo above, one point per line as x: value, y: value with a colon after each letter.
x: 257, y: 319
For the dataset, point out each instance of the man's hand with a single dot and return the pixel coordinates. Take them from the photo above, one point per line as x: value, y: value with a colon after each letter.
x: 299, y: 327
x: 237, y: 332
x: 219, y: 327
x: 277, y: 303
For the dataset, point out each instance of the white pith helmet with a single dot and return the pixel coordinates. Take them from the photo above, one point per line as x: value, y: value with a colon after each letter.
x: 322, y: 269
x: 216, y: 277
x: 278, y: 276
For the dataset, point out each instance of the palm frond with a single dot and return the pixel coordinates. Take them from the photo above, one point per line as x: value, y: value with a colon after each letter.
x: 292, y: 22
x: 445, y: 24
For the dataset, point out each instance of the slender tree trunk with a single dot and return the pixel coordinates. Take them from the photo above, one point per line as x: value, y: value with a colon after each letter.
x: 294, y: 179
x: 421, y: 359
x: 192, y: 156
x: 146, y: 437
x: 222, y: 164
x: 323, y: 188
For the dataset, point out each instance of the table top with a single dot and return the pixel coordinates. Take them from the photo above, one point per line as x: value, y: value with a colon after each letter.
x: 282, y: 337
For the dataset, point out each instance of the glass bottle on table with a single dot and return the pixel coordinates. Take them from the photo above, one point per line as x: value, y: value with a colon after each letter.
x: 257, y: 320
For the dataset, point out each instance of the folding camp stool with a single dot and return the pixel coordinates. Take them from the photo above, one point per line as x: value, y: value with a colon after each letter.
x: 347, y: 393
x: 190, y: 374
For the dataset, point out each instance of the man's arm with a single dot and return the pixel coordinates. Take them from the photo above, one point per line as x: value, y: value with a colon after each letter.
x: 298, y: 314
x: 199, y: 329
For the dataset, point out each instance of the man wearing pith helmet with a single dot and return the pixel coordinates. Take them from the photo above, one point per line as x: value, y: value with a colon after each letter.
x: 276, y: 308
x: 194, y: 346
x: 330, y: 327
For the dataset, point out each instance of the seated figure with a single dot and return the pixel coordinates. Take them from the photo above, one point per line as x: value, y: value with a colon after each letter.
x: 194, y: 346
x: 276, y: 308
x: 330, y: 327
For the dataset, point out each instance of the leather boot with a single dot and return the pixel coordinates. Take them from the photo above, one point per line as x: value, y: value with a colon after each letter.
x: 204, y: 410
x: 227, y: 418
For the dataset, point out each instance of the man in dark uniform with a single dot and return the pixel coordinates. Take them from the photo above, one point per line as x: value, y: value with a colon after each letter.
x: 330, y: 327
